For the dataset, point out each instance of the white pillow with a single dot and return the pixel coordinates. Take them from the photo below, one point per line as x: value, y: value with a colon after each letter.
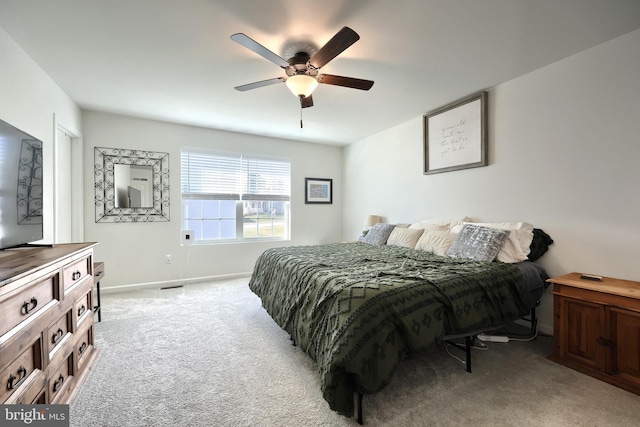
x: 517, y: 246
x: 404, y: 237
x: 448, y: 222
x: 437, y: 242
x: 425, y: 226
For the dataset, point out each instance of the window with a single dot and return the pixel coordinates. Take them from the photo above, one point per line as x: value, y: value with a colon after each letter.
x: 235, y: 197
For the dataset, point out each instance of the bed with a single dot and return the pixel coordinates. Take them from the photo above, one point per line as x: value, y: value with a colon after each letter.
x: 359, y: 309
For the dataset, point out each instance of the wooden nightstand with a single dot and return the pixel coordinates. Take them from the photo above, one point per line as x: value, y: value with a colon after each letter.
x: 597, y: 328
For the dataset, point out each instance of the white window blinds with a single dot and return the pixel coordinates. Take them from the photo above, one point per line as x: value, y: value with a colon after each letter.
x: 213, y: 176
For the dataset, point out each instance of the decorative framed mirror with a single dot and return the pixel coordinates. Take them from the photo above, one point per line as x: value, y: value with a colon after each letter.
x: 131, y: 185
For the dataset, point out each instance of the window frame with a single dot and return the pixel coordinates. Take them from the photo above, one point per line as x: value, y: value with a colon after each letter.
x: 242, y: 196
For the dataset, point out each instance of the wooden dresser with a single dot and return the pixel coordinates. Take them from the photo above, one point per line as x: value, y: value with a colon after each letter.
x: 46, y: 322
x: 597, y: 328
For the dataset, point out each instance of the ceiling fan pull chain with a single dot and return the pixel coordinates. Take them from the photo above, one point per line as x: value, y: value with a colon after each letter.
x: 301, y: 117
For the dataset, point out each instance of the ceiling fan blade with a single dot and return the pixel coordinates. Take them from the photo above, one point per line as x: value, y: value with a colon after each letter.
x: 261, y: 83
x: 330, y: 79
x: 338, y: 43
x: 253, y: 45
x: 306, y: 102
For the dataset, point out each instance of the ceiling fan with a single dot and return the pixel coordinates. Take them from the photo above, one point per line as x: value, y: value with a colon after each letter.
x: 302, y: 68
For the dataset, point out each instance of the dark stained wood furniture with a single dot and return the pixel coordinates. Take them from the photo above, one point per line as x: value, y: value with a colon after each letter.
x: 597, y: 328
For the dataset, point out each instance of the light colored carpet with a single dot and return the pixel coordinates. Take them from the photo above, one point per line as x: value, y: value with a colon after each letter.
x: 209, y: 355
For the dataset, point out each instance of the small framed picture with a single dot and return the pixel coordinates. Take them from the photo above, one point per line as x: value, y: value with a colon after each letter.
x: 318, y: 190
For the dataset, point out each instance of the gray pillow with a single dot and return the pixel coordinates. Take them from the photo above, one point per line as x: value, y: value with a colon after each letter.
x: 478, y: 243
x: 378, y: 234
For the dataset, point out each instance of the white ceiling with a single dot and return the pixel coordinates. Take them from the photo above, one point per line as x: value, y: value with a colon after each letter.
x: 173, y: 60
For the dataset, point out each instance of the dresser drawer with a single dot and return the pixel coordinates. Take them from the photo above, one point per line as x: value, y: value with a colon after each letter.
x: 33, y: 394
x: 21, y: 371
x: 38, y: 399
x: 76, y: 272
x: 84, y: 346
x: 83, y: 308
x: 58, y: 333
x: 60, y: 379
x: 27, y: 303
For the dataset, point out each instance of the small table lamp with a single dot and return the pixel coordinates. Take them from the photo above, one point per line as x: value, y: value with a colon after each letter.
x: 369, y: 222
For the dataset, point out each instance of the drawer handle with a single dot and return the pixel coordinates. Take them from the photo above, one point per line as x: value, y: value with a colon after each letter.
x: 605, y: 342
x: 56, y: 337
x: 57, y: 384
x: 28, y: 306
x: 76, y: 275
x: 82, y: 348
x: 81, y: 310
x: 12, y: 378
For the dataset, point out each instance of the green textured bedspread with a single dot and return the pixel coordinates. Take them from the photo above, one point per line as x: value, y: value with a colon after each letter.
x: 358, y: 310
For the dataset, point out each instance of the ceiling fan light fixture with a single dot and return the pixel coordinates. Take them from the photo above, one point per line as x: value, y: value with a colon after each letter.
x: 301, y: 85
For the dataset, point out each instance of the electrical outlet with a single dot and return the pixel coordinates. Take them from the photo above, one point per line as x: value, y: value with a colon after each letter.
x: 168, y: 260
x: 187, y: 237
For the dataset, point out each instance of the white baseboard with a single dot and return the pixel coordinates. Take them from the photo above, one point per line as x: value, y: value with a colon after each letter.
x: 545, y: 329
x: 169, y: 283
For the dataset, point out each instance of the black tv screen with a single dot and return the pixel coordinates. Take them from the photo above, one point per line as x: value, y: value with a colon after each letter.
x: 20, y: 187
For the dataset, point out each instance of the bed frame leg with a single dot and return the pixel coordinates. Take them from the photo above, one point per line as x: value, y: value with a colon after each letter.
x: 534, y: 320
x: 468, y: 343
x: 360, y: 421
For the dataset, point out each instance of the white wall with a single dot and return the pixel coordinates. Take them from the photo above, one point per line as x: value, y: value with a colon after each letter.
x: 564, y: 149
x: 564, y: 153
x: 134, y: 253
x: 29, y: 99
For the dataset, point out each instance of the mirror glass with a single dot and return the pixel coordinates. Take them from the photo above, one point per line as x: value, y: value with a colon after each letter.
x: 131, y: 185
x: 134, y: 186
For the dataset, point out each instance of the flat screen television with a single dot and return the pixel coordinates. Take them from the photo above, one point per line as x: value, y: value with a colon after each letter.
x: 20, y: 187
